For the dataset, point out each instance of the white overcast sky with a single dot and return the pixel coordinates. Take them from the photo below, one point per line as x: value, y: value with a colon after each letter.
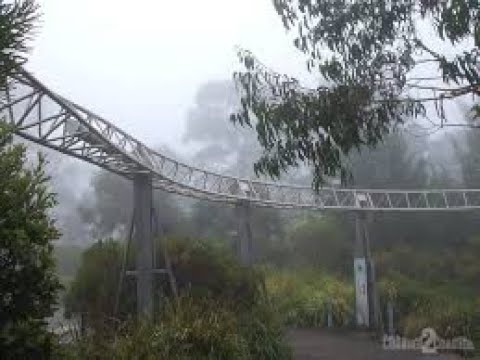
x: 139, y: 63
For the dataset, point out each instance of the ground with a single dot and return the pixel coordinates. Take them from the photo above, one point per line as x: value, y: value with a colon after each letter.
x: 315, y: 344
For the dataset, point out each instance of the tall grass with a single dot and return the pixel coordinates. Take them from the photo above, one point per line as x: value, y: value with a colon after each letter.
x: 222, y: 313
x: 192, y: 328
x: 450, y: 309
x: 304, y: 296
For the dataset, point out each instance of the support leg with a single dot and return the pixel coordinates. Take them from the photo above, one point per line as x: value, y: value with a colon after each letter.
x: 142, y: 193
x: 365, y: 290
x: 158, y: 231
x: 360, y: 272
x: 128, y: 242
x: 245, y: 241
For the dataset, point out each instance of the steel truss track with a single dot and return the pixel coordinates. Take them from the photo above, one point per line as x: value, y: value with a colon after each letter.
x: 44, y: 117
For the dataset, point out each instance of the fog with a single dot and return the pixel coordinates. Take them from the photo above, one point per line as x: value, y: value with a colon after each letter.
x: 162, y: 72
x: 140, y: 65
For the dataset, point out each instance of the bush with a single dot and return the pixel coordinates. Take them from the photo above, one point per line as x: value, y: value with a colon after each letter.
x: 194, y: 328
x: 205, y: 267
x: 202, y: 267
x: 448, y: 316
x: 188, y: 329
x: 28, y: 283
x: 449, y: 309
x: 303, y: 297
x: 222, y: 311
x: 263, y: 330
x: 93, y: 291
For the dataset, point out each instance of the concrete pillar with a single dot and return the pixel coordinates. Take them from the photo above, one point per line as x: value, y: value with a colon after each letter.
x: 366, y: 307
x: 244, y: 244
x: 143, y: 242
x: 360, y: 274
x: 359, y: 248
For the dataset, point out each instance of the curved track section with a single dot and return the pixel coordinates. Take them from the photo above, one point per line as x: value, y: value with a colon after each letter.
x: 44, y: 117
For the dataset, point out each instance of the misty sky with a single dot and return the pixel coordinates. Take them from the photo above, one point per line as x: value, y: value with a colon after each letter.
x: 140, y: 63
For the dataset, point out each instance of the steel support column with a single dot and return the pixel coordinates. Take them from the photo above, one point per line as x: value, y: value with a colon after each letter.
x: 244, y: 246
x: 143, y: 242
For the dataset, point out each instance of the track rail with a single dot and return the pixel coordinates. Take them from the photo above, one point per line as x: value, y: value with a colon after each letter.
x: 44, y: 117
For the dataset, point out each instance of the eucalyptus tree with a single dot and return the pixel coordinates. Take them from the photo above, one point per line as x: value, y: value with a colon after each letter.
x: 381, y: 63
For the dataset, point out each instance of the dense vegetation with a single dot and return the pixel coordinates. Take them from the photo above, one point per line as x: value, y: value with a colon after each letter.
x: 304, y: 297
x: 222, y: 310
x: 212, y: 282
x: 28, y: 283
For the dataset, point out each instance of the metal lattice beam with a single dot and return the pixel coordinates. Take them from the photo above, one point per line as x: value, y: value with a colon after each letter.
x: 44, y: 117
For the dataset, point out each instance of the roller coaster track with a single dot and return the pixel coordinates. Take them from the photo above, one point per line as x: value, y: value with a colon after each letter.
x: 46, y: 118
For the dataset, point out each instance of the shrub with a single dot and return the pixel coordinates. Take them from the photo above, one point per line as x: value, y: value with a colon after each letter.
x: 448, y: 316
x: 188, y: 329
x: 303, y: 297
x: 93, y: 291
x: 194, y: 328
x: 448, y: 309
x: 222, y: 311
x: 28, y: 283
x: 201, y: 267
x: 205, y: 267
x: 263, y: 330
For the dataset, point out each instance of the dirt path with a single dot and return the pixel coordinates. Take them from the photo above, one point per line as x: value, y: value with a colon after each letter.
x: 314, y: 344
